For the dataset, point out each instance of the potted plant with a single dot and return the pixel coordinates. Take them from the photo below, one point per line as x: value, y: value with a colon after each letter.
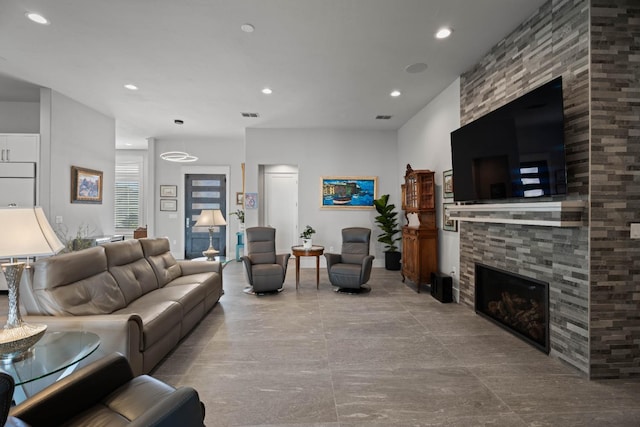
x: 306, y: 236
x: 240, y: 214
x: 388, y: 222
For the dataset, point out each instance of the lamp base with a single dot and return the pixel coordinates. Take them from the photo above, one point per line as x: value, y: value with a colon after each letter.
x: 210, y: 254
x: 16, y: 340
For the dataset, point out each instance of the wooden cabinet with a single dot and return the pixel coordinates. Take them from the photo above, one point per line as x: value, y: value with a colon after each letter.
x: 420, y: 236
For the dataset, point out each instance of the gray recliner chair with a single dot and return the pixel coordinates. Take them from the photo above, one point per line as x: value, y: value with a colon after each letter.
x: 106, y: 392
x: 266, y: 270
x: 351, y: 269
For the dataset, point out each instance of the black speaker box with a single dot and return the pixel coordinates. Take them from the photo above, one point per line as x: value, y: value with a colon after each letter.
x: 441, y: 287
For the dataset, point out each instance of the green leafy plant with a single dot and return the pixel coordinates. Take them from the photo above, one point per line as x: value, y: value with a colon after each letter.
x: 387, y: 220
x: 307, y: 232
x: 240, y: 214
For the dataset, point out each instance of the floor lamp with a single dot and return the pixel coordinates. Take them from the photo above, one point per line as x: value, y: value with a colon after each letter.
x: 210, y: 218
x: 25, y: 233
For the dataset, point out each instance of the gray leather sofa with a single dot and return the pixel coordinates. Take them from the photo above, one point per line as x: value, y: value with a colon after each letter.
x: 106, y: 393
x: 133, y: 294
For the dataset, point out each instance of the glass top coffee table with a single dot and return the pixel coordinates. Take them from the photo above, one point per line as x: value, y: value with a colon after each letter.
x: 56, y: 352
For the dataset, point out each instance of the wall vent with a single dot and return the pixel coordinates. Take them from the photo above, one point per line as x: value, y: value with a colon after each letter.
x: 250, y: 115
x: 383, y: 117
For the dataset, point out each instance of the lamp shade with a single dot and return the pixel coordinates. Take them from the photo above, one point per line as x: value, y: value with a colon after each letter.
x: 25, y: 232
x: 210, y: 218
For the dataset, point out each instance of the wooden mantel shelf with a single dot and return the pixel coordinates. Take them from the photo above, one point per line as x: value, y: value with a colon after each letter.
x: 567, y: 213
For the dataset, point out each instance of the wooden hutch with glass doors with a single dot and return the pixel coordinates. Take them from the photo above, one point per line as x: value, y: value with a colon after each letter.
x: 420, y: 234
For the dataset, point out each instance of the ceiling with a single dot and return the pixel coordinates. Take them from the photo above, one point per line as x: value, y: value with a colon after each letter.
x: 330, y: 63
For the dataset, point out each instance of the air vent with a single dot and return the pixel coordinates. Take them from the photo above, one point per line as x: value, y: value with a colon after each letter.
x: 250, y: 115
x: 381, y: 117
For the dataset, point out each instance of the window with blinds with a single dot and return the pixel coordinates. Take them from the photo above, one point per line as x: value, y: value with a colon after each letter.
x: 129, y: 204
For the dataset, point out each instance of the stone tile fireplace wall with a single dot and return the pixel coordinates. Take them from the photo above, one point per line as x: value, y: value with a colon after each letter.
x: 554, y: 42
x: 593, y: 269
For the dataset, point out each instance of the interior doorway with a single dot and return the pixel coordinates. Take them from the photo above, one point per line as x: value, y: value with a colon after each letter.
x: 281, y: 204
x: 204, y: 191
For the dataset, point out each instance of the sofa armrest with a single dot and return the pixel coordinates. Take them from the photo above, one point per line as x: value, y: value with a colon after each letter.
x: 367, y: 264
x: 120, y: 333
x: 283, y: 261
x: 246, y: 260
x: 76, y: 393
x: 181, y: 408
x: 332, y: 259
x: 195, y: 267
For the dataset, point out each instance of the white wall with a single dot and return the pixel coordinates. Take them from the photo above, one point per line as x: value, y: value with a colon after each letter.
x: 425, y: 143
x: 73, y: 134
x: 19, y: 117
x: 216, y: 156
x: 324, y: 152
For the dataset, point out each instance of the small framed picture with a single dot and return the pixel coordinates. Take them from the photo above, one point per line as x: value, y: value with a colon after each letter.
x: 251, y: 201
x: 168, y: 191
x: 447, y: 184
x: 86, y: 185
x: 239, y: 198
x: 448, y: 224
x: 169, y: 205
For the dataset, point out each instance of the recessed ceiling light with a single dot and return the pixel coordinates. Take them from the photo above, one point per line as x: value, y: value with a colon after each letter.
x: 395, y: 93
x: 37, y: 18
x: 267, y: 91
x: 443, y: 33
x: 131, y: 87
x: 247, y: 28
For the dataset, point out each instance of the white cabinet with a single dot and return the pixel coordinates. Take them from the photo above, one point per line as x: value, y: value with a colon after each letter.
x: 19, y: 147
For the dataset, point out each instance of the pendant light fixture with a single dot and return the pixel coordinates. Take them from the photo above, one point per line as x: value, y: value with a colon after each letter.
x: 178, y: 156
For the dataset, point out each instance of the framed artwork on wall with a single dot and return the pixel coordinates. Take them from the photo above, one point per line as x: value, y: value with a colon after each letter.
x: 240, y: 199
x: 348, y: 192
x: 448, y: 224
x: 447, y: 184
x: 168, y: 205
x: 168, y: 191
x: 251, y: 201
x: 86, y: 185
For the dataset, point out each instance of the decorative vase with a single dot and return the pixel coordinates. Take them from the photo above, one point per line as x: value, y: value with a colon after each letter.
x: 306, y: 243
x: 241, y: 226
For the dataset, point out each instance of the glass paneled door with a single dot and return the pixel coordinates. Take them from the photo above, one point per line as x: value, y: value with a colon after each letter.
x: 204, y: 192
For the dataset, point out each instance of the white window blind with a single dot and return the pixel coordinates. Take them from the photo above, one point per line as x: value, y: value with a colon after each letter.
x: 129, y: 194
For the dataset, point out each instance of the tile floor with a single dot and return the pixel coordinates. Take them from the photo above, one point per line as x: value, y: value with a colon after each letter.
x: 389, y: 358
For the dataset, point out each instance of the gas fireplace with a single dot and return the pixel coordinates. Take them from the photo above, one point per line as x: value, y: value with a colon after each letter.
x: 517, y: 303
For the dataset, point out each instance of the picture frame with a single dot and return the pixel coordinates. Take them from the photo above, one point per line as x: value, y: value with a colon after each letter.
x: 447, y: 184
x: 251, y: 200
x: 168, y: 191
x: 168, y: 205
x: 240, y: 198
x: 86, y: 185
x: 448, y: 224
x: 348, y: 192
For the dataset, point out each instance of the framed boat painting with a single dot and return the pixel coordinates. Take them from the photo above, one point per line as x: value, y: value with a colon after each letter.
x: 348, y: 192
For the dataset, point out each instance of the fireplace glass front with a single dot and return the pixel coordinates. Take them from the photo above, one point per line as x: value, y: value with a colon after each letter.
x: 517, y: 303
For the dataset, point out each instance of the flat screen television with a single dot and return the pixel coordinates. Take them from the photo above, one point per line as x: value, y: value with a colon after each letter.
x: 515, y: 151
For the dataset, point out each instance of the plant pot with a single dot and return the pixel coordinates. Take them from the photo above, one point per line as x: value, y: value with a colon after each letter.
x: 306, y: 243
x: 392, y: 260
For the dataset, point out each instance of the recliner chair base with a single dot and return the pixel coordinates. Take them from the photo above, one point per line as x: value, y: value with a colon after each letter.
x: 250, y: 291
x: 363, y: 289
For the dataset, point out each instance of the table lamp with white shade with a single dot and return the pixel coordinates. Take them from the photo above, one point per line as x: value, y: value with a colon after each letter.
x: 25, y: 233
x: 210, y: 218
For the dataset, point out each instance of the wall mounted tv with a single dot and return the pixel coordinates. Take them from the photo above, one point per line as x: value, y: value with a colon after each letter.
x: 516, y: 151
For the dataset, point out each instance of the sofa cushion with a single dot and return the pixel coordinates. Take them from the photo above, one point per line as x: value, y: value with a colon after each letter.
x: 264, y: 275
x: 209, y: 281
x: 77, y: 283
x: 158, y: 317
x: 134, y: 274
x: 164, y: 265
